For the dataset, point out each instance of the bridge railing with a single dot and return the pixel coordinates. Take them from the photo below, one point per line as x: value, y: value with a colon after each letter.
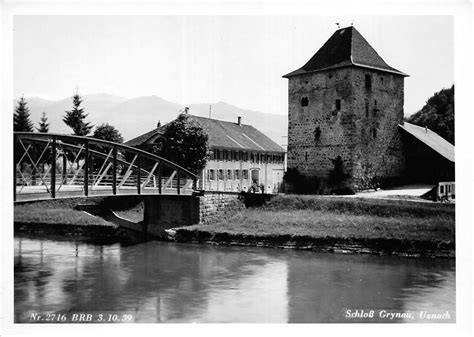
x: 62, y: 165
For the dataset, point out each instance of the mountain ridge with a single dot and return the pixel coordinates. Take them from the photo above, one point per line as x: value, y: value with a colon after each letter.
x: 137, y: 115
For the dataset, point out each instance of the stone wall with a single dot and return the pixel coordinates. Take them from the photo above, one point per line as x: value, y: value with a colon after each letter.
x: 213, y: 205
x: 332, y: 113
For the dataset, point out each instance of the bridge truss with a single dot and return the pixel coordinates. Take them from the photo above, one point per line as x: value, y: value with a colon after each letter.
x: 53, y: 165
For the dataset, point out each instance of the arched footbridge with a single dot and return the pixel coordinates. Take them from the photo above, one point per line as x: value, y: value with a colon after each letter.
x: 61, y: 166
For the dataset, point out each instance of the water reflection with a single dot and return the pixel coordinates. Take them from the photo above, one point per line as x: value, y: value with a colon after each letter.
x: 162, y: 282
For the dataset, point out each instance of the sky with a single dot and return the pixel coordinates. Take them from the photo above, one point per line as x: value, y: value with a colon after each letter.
x: 204, y: 59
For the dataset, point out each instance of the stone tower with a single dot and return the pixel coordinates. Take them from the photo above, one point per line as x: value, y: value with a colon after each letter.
x: 346, y: 101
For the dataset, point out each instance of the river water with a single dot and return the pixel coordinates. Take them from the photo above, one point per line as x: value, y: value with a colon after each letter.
x: 165, y: 282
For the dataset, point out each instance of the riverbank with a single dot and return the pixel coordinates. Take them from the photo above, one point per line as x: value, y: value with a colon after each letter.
x: 318, y: 223
x: 61, y: 218
x: 343, y: 225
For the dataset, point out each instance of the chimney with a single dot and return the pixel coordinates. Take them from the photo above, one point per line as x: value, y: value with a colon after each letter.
x: 239, y: 120
x: 426, y: 129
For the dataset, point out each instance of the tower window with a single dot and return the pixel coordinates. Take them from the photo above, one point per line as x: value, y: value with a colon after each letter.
x: 306, y: 156
x: 374, y: 132
x: 304, y: 101
x: 317, y: 133
x: 366, y: 107
x: 338, y: 104
x: 368, y: 82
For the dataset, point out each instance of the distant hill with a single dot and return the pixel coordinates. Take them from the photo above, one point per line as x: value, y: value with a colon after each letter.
x: 438, y: 114
x: 135, y: 116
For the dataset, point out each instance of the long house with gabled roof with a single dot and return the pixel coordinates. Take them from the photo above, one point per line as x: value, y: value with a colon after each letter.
x: 241, y: 156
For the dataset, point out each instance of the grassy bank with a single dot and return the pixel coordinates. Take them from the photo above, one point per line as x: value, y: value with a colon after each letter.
x: 58, y: 213
x: 58, y: 218
x: 324, y: 223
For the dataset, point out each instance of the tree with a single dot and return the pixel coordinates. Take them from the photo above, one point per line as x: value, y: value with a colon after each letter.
x: 75, y: 118
x: 104, y: 132
x: 44, y: 128
x: 21, y: 117
x: 185, y: 143
x: 438, y: 114
x: 43, y: 125
x: 108, y: 132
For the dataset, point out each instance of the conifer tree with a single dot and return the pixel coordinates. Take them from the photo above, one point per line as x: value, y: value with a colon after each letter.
x: 21, y: 117
x: 43, y: 125
x: 75, y: 118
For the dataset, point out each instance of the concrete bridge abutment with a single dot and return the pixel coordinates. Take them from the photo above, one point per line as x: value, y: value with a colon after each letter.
x: 163, y: 212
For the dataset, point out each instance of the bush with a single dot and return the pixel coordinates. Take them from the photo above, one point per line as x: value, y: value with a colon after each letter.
x: 301, y: 184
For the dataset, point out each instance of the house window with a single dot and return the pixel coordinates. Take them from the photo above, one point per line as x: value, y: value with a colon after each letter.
x: 229, y: 175
x: 245, y: 174
x: 381, y: 80
x: 237, y: 174
x: 368, y: 82
x: 366, y: 107
x: 220, y: 174
x: 211, y: 174
x: 374, y: 132
x: 304, y: 101
x: 306, y: 156
x: 338, y: 104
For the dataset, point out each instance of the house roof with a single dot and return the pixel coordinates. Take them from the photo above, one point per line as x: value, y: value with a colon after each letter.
x: 430, y: 138
x: 222, y: 134
x: 142, y: 139
x: 346, y: 47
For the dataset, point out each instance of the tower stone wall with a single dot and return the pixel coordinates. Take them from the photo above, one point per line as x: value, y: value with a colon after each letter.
x: 351, y: 112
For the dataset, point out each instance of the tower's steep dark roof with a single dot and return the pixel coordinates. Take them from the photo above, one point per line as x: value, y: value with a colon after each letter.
x: 346, y: 47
